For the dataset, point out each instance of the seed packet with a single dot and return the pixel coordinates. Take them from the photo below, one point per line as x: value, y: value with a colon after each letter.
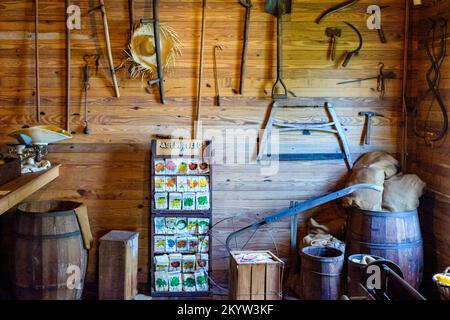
x: 160, y: 167
x: 192, y: 184
x: 203, y: 167
x: 202, y: 202
x: 188, y: 263
x: 161, y: 281
x: 175, y: 282
x: 171, y: 244
x: 175, y: 262
x: 201, y: 280
x: 188, y: 201
x: 175, y: 201
x: 192, y: 166
x: 192, y: 226
x: 203, y: 225
x: 203, y: 244
x: 161, y: 201
x: 171, y: 184
x: 171, y: 166
x: 203, y: 184
x: 171, y: 225
x: 160, y: 183
x: 181, y: 183
x: 162, y: 263
x: 192, y: 244
x: 160, y: 225
x: 160, y: 244
x: 182, y: 166
x: 181, y: 225
x: 182, y: 244
x: 188, y: 282
x: 201, y: 261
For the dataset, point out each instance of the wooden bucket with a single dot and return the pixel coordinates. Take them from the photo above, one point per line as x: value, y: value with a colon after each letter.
x: 354, y: 271
x: 395, y: 236
x: 49, y: 260
x: 321, y: 273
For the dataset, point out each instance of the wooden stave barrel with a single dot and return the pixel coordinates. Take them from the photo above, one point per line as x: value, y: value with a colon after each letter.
x: 321, y: 277
x: 62, y: 232
x: 354, y: 271
x: 406, y: 252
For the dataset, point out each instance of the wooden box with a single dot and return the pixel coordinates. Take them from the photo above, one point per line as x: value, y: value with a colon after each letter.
x: 255, y: 280
x: 118, y: 265
x: 10, y: 170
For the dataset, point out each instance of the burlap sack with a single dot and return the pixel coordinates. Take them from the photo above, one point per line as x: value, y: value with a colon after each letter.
x: 326, y: 240
x: 378, y: 160
x: 334, y: 227
x: 365, y: 199
x: 402, y: 192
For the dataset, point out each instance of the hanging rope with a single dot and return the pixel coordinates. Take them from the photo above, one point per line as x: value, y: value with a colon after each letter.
x: 433, y: 77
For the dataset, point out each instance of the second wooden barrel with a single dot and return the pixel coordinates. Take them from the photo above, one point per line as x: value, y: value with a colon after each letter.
x: 322, y: 273
x: 394, y: 236
x: 49, y: 257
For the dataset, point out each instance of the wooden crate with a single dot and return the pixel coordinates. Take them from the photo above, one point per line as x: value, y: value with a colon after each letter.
x: 255, y: 281
x: 118, y: 265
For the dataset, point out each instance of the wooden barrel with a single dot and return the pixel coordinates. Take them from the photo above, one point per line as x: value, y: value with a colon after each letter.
x: 354, y: 271
x: 321, y: 273
x: 395, y: 236
x: 49, y: 260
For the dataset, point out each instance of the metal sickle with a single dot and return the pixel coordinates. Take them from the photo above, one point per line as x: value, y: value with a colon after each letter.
x: 334, y: 9
x: 355, y: 52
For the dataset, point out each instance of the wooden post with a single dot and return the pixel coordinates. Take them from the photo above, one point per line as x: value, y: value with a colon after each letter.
x: 36, y: 54
x: 68, y: 73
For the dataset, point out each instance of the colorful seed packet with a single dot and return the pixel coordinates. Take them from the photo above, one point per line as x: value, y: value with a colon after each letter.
x: 160, y: 167
x: 171, y: 244
x: 161, y: 201
x: 175, y: 201
x: 171, y: 166
x: 161, y: 281
x: 202, y: 200
x: 171, y: 225
x: 175, y: 284
x: 203, y: 225
x: 192, y: 226
x: 171, y: 184
x: 192, y: 166
x: 160, y: 244
x: 192, y: 244
x: 188, y: 263
x: 160, y: 183
x: 201, y: 261
x: 188, y: 201
x: 201, y: 280
x: 181, y: 183
x: 188, y: 282
x: 160, y: 225
x: 203, y: 167
x: 175, y: 262
x: 162, y: 263
x: 182, y: 166
x: 182, y: 244
x: 192, y: 184
x: 181, y: 225
x: 203, y: 244
x: 203, y: 184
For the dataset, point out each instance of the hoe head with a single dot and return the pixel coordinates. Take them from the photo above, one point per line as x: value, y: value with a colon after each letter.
x: 278, y: 7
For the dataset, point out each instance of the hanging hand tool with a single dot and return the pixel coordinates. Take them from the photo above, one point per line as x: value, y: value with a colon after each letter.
x: 334, y: 9
x: 247, y: 4
x: 36, y: 58
x: 112, y: 69
x: 200, y: 73
x: 131, y: 16
x: 86, y: 86
x: 278, y: 8
x: 159, y: 63
x: 216, y: 76
x: 369, y: 115
x: 68, y: 74
x: 355, y: 52
x: 332, y: 33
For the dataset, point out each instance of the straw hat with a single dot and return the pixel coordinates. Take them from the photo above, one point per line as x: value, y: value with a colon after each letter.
x: 142, y: 52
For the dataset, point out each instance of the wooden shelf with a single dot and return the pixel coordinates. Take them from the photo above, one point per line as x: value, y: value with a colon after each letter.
x: 21, y: 188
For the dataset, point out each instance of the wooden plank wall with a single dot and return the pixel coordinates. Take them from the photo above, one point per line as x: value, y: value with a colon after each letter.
x: 108, y: 170
x: 431, y: 163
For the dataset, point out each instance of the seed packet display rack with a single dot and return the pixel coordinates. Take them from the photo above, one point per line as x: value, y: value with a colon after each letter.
x: 166, y: 213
